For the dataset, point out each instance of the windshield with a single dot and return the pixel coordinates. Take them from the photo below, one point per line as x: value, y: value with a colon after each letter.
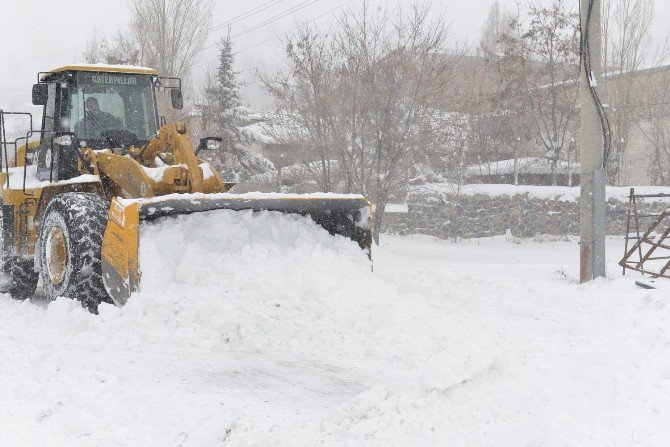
x: 112, y: 104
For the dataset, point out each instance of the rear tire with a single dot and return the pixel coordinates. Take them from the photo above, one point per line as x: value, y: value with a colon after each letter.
x: 21, y: 277
x: 4, y: 276
x: 70, y: 248
x: 17, y: 276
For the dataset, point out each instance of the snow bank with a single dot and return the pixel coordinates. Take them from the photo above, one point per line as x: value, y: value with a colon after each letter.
x: 562, y: 193
x: 228, y: 285
x: 261, y: 329
x: 524, y: 165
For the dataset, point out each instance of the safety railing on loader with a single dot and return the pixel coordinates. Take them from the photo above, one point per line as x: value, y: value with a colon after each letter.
x: 5, y: 143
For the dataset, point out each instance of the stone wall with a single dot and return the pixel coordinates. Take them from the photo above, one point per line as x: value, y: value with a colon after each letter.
x: 471, y: 216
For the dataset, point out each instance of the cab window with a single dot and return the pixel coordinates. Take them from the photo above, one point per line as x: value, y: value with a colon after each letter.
x: 108, y: 102
x: 48, y: 119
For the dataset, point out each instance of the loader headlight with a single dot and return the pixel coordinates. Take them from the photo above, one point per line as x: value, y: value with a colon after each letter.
x: 63, y: 140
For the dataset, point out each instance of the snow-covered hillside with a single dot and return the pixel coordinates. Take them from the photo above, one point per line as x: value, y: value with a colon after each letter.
x: 260, y: 329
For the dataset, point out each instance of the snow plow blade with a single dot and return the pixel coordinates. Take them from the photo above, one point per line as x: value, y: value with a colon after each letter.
x: 346, y: 215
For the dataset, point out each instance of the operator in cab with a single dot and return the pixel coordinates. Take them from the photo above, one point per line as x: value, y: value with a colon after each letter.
x: 95, y: 120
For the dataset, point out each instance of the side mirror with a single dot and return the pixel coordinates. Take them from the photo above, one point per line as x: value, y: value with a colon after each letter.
x: 177, y: 99
x: 40, y: 94
x: 209, y: 143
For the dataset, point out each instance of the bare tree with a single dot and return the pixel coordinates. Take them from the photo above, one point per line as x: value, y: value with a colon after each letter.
x: 505, y: 109
x: 499, y: 22
x: 206, y: 106
x: 122, y: 51
x: 627, y: 45
x: 94, y: 48
x: 653, y: 124
x: 167, y: 35
x: 308, y: 107
x: 656, y: 131
x: 119, y: 50
x: 626, y: 31
x: 364, y: 95
x: 539, y: 67
x: 170, y: 34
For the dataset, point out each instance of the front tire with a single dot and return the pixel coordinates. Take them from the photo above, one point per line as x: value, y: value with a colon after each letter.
x: 70, y: 248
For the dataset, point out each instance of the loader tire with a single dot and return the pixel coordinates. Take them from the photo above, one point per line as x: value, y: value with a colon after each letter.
x: 4, y: 276
x: 70, y: 248
x: 21, y: 277
x: 18, y: 276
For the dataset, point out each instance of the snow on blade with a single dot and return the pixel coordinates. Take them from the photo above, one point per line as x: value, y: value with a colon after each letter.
x: 245, y: 196
x: 219, y: 248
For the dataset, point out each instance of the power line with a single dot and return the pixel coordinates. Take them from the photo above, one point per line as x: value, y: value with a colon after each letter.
x: 294, y: 28
x: 260, y: 8
x: 273, y: 19
x: 287, y: 32
x: 296, y: 8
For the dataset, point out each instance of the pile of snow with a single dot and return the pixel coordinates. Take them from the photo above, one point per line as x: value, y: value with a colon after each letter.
x: 261, y: 329
x: 226, y: 286
x: 246, y: 267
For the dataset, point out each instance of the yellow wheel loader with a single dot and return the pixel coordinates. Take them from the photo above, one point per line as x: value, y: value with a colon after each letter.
x: 76, y: 190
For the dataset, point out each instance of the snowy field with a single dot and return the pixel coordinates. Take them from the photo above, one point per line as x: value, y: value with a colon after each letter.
x: 263, y: 330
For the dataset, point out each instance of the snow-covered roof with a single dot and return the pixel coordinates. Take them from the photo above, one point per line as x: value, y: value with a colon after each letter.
x: 526, y: 165
x: 261, y: 132
x: 396, y: 208
x: 276, y: 128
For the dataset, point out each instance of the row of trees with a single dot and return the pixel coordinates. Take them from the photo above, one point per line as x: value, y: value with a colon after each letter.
x: 379, y: 96
x: 534, y: 55
x: 383, y: 96
x: 373, y: 96
x: 368, y: 96
x: 536, y: 62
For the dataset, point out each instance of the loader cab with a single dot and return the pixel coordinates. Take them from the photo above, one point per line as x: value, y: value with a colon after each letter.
x: 92, y: 109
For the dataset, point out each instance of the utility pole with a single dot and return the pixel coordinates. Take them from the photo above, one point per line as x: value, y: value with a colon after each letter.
x: 592, y: 177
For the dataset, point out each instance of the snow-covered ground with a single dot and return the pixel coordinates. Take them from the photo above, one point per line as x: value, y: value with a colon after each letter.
x: 263, y: 330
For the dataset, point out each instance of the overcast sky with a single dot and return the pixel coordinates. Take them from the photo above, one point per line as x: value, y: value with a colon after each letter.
x: 40, y: 35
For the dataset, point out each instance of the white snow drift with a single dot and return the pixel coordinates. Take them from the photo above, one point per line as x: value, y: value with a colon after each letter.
x: 261, y: 329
